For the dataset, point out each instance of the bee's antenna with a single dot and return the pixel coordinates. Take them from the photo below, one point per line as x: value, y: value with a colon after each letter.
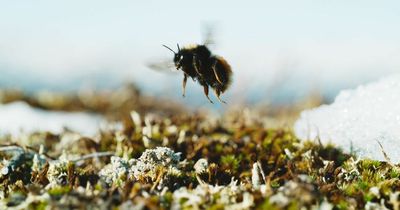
x: 179, y: 49
x: 170, y: 48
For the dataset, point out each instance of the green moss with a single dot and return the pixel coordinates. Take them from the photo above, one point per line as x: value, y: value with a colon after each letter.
x: 166, y: 200
x: 371, y: 176
x: 267, y: 205
x: 368, y: 164
x: 368, y: 197
x: 59, y: 191
x: 275, y: 184
x: 342, y: 205
x: 232, y: 162
x: 294, y: 205
x: 217, y: 207
x: 362, y: 185
x: 219, y: 148
x: 394, y: 173
x: 38, y: 205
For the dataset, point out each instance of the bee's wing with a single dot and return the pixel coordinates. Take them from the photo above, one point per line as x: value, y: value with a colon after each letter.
x: 162, y: 66
x: 209, y: 34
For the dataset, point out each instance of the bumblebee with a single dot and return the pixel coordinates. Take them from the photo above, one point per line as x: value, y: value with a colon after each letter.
x: 198, y: 63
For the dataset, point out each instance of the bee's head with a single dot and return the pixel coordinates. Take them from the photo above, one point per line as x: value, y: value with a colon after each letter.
x: 178, y: 57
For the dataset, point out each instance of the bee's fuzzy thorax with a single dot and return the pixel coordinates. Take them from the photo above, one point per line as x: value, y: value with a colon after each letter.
x: 190, y: 47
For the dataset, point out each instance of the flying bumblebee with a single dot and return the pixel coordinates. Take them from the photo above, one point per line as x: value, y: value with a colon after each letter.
x: 198, y: 63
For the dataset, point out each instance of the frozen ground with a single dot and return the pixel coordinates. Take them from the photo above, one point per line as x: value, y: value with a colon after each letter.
x: 358, y: 119
x: 19, y: 117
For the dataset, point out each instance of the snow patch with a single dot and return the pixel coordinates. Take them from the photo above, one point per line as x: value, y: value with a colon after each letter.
x: 19, y: 117
x: 358, y: 119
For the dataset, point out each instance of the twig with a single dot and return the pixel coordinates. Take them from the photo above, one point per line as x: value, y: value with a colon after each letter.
x: 158, y: 180
x: 262, y: 172
x: 385, y: 154
x: 93, y: 155
x: 11, y: 148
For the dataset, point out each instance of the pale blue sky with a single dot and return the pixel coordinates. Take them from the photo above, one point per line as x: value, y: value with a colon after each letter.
x: 275, y: 47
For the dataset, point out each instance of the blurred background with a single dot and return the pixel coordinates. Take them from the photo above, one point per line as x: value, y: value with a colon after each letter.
x: 280, y: 51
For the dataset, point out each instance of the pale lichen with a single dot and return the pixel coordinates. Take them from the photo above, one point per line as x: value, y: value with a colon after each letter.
x: 201, y: 166
x: 232, y: 196
x: 58, y: 172
x: 117, y: 171
x: 153, y: 163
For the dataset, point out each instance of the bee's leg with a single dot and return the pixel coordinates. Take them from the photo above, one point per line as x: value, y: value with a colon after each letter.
x: 196, y: 66
x: 184, y: 84
x: 218, y: 93
x: 215, y: 73
x: 206, y: 93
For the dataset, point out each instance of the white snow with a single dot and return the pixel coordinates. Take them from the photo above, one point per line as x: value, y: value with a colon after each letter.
x: 19, y: 117
x: 358, y: 119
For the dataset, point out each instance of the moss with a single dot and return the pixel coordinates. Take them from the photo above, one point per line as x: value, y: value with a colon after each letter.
x: 343, y: 205
x: 275, y: 184
x: 231, y: 163
x: 59, y: 191
x: 42, y: 205
x: 368, y: 197
x: 368, y: 164
x: 217, y: 207
x: 306, y: 173
x: 294, y: 205
x: 267, y: 205
x: 394, y: 173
